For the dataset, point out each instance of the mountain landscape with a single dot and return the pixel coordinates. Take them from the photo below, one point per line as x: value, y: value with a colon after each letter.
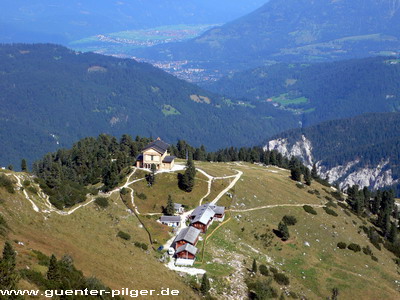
x: 363, y: 150
x: 60, y: 22
x: 322, y: 91
x: 53, y: 96
x: 200, y: 150
x: 302, y: 30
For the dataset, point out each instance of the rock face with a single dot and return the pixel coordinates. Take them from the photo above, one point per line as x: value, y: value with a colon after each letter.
x: 353, y: 172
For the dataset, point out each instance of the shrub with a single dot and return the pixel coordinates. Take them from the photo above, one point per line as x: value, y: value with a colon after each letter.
x: 311, y: 192
x: 43, y: 259
x: 331, y: 204
x: 261, y: 289
x: 264, y: 270
x: 341, y: 245
x: 330, y: 211
x: 374, y: 258
x: 273, y: 270
x: 367, y: 250
x: 309, y: 209
x: 300, y: 185
x: 141, y: 245
x: 32, y: 189
x: 337, y: 195
x: 34, y: 277
x: 142, y: 196
x: 289, y: 220
x: 6, y: 183
x: 3, y: 226
x: 281, y: 279
x: 102, y: 202
x: 124, y: 191
x: 26, y: 183
x: 354, y: 247
x: 123, y: 235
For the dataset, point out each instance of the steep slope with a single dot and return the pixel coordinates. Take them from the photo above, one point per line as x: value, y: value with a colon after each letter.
x: 322, y: 91
x: 60, y: 22
x: 310, y: 260
x: 362, y: 150
x: 52, y: 96
x: 89, y: 236
x: 302, y: 30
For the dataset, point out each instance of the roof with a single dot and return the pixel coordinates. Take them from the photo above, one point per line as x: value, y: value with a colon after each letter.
x: 202, y: 214
x: 177, y: 206
x: 170, y: 219
x: 206, y: 211
x: 140, y: 157
x: 168, y: 159
x: 157, y: 145
x: 189, y: 234
x: 187, y: 247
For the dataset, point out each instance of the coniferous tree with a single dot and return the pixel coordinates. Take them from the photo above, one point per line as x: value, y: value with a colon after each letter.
x: 307, y: 176
x: 24, y: 165
x: 205, y: 285
x: 53, y: 272
x: 151, y: 178
x: 393, y: 234
x: 314, y: 172
x: 10, y: 167
x: 8, y: 275
x: 169, y: 209
x: 284, y: 231
x: 186, y: 181
x: 295, y: 173
x: 254, y: 266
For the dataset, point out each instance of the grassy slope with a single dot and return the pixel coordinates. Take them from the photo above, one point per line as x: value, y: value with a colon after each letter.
x: 313, y: 270
x: 89, y: 236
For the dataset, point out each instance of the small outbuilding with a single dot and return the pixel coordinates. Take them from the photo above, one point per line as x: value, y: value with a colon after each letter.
x: 172, y: 221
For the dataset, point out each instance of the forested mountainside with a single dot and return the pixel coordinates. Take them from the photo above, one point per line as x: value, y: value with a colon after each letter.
x: 52, y: 96
x: 300, y: 30
x: 364, y: 150
x: 61, y: 22
x: 323, y: 91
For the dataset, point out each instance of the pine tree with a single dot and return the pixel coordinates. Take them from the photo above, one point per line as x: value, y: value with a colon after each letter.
x: 24, y: 166
x: 393, y: 234
x: 295, y: 173
x: 151, y: 178
x: 314, y: 172
x: 169, y: 209
x: 10, y: 167
x: 284, y: 231
x: 186, y: 181
x: 307, y: 176
x: 205, y: 285
x: 8, y: 276
x: 53, y: 272
x: 254, y: 266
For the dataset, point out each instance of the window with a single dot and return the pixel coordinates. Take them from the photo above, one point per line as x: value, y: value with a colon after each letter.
x: 152, y: 157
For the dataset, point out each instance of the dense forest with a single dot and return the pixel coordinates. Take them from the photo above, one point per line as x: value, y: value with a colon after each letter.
x: 323, y: 91
x: 371, y: 138
x: 52, y: 96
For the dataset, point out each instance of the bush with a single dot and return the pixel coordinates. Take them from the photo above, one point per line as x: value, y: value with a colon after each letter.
x: 330, y: 211
x: 142, y: 196
x: 289, y: 220
x: 124, y: 191
x: 3, y: 226
x: 309, y: 209
x: 367, y: 250
x: 341, y: 245
x: 261, y: 289
x: 331, y: 204
x: 43, y: 259
x: 102, y: 202
x: 123, y: 235
x: 32, y: 189
x: 273, y: 270
x: 337, y: 195
x: 6, y: 183
x: 264, y: 270
x: 26, y: 183
x: 374, y: 258
x: 141, y: 245
x: 300, y: 185
x: 281, y: 279
x: 354, y: 247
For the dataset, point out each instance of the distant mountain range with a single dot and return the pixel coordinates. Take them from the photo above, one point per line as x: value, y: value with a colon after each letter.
x: 323, y: 91
x: 65, y: 21
x: 364, y: 150
x: 300, y: 30
x: 52, y: 96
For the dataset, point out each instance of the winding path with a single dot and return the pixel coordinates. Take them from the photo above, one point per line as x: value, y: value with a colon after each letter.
x: 276, y: 205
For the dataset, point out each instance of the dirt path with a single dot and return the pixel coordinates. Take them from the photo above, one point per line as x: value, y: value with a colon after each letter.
x: 276, y: 205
